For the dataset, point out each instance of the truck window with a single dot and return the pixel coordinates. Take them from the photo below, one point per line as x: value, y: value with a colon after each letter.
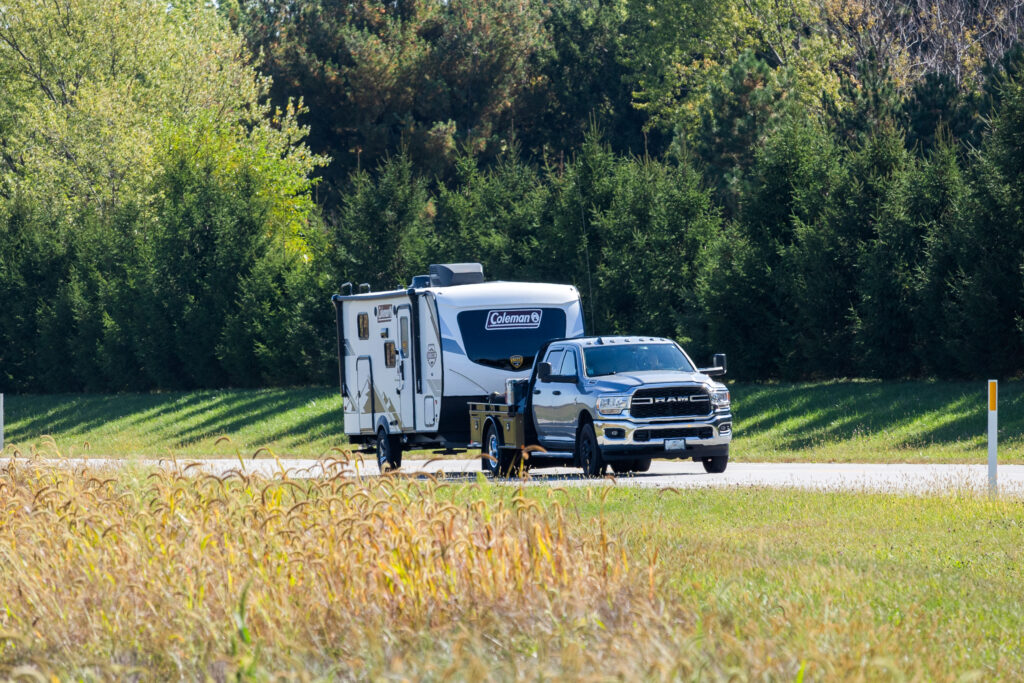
x: 389, y: 354
x: 569, y: 364
x: 555, y: 358
x: 363, y: 325
x: 620, y: 358
x: 405, y: 338
x: 507, y: 338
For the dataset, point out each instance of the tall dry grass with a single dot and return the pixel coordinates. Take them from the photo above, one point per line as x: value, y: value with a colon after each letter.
x: 170, y: 574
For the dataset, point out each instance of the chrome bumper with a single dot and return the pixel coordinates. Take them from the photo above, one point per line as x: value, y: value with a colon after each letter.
x: 607, y: 432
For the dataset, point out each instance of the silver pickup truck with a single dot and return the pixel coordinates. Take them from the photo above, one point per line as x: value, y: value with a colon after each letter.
x: 599, y: 402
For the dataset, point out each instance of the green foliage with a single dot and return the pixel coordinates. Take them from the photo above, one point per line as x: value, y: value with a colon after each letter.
x: 384, y: 226
x: 425, y: 75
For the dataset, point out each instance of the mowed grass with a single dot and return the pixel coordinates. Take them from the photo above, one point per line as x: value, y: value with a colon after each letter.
x: 301, y: 422
x: 839, y: 421
x: 167, y: 575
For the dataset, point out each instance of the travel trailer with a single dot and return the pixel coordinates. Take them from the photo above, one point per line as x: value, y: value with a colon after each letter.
x: 411, y: 360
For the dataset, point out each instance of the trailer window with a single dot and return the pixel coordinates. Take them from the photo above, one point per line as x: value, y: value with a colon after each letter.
x: 389, y: 354
x: 363, y: 324
x: 405, y: 338
x: 508, y: 339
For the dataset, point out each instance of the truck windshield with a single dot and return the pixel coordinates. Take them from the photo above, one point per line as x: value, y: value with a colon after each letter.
x: 617, y: 359
x: 509, y: 338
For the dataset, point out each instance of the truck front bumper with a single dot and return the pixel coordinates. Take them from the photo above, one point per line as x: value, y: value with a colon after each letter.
x: 622, y: 436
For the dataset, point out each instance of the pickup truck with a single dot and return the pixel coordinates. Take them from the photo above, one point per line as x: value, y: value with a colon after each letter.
x: 600, y: 402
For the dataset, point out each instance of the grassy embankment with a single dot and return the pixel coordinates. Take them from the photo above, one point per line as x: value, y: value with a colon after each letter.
x: 829, y: 422
x: 395, y: 578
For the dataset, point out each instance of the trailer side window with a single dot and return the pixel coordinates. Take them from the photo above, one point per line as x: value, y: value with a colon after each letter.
x: 405, y: 338
x: 389, y: 354
x: 363, y: 323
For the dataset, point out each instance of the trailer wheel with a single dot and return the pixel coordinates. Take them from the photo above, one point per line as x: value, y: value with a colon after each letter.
x: 389, y: 451
x: 590, y: 458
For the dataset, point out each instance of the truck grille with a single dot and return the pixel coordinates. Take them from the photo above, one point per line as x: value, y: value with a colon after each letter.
x: 673, y: 433
x: 670, y: 402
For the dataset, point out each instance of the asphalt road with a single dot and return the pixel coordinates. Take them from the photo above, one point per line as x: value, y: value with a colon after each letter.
x: 663, y: 473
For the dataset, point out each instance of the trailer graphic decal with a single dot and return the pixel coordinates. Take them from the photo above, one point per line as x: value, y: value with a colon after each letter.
x: 513, y: 320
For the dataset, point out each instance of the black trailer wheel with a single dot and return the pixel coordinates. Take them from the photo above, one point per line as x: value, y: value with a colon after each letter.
x: 389, y: 451
x: 716, y: 465
x: 590, y: 458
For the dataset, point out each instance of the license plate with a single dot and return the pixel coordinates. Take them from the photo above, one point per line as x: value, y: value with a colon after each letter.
x: 675, y: 444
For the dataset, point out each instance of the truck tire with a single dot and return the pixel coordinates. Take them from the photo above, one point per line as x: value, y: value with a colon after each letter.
x: 716, y: 465
x: 634, y: 465
x: 389, y: 451
x: 502, y: 461
x: 589, y: 452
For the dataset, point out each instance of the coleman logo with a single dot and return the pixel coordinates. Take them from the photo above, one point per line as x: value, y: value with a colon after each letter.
x: 516, y: 361
x: 513, y: 320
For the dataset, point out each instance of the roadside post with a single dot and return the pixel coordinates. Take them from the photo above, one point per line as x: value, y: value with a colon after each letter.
x: 993, y: 398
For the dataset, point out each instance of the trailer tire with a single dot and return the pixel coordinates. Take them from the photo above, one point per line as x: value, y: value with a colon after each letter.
x: 389, y: 451
x: 589, y: 452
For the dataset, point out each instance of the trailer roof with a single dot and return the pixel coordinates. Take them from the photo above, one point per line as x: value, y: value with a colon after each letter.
x: 504, y: 293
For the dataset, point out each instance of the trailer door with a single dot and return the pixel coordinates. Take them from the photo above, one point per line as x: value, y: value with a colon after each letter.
x: 406, y: 382
x: 365, y: 404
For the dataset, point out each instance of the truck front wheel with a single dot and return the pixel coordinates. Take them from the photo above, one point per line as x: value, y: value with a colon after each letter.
x: 389, y: 451
x: 716, y: 465
x: 589, y: 452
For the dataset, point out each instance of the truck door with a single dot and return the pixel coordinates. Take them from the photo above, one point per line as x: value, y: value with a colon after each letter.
x: 364, y: 393
x: 566, y: 414
x: 548, y: 405
x: 405, y: 382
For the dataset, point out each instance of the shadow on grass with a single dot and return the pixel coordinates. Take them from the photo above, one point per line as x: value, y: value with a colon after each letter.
x: 175, y: 419
x: 906, y: 414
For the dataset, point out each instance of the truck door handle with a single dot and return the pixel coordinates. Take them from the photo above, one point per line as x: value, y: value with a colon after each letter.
x: 556, y: 392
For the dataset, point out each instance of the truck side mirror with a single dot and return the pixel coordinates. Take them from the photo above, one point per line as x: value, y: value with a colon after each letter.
x: 543, y: 371
x: 718, y: 360
x: 718, y: 366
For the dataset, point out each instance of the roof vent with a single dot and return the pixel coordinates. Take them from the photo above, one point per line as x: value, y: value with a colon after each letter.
x: 451, y: 274
x: 420, y: 281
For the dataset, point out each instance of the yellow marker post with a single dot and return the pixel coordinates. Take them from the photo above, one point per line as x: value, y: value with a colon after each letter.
x: 993, y: 401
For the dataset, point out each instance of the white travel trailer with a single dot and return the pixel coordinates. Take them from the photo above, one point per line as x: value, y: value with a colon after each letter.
x: 410, y: 360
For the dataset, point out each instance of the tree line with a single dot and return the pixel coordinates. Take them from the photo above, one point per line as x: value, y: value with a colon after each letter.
x: 820, y: 189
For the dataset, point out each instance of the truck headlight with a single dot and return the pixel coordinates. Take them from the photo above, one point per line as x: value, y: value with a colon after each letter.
x: 612, y: 405
x: 720, y: 398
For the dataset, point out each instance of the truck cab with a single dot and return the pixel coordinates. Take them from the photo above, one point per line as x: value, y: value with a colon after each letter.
x: 599, y: 402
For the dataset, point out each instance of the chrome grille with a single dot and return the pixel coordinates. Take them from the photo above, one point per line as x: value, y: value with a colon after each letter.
x: 670, y: 402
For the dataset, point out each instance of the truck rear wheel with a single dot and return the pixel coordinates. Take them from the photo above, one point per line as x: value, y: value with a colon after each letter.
x: 589, y: 452
x: 389, y: 451
x: 500, y: 462
x: 716, y: 465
